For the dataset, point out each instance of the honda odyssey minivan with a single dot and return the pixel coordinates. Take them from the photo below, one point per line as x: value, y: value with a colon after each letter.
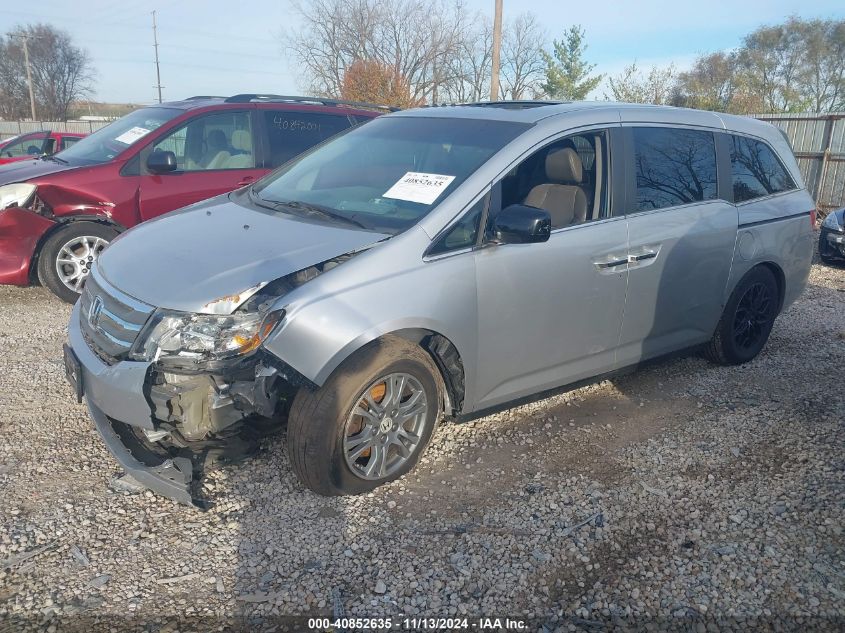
x: 437, y: 262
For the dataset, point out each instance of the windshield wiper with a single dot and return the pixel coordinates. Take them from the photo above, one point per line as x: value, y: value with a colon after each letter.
x: 55, y: 158
x: 321, y: 210
x: 261, y: 202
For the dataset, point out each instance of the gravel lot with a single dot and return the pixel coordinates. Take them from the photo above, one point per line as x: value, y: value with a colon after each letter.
x: 685, y: 494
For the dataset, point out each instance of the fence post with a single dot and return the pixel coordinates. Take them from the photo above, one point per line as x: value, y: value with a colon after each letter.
x: 826, y: 144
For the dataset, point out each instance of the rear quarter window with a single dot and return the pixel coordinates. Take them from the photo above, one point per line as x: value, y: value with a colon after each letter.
x: 291, y: 133
x: 756, y: 171
x: 673, y: 166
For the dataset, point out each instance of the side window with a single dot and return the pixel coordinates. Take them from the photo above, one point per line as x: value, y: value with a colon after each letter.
x: 464, y: 233
x: 27, y: 146
x: 568, y: 178
x: 67, y: 141
x: 291, y: 132
x: 673, y: 166
x: 756, y: 171
x: 214, y: 141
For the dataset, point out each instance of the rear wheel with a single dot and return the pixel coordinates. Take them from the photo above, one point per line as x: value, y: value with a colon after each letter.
x: 369, y: 423
x: 747, y: 319
x: 68, y: 255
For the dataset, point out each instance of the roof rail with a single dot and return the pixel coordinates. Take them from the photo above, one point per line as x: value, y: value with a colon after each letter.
x: 197, y: 97
x: 248, y: 97
x: 516, y: 104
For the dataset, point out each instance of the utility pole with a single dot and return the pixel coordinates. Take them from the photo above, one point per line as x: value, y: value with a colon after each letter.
x: 155, y: 46
x: 25, y: 38
x: 497, y: 47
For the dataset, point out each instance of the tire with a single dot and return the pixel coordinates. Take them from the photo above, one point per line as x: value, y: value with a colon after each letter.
x: 70, y: 243
x: 747, y: 319
x: 322, y: 425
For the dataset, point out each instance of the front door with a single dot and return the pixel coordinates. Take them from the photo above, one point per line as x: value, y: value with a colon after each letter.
x: 550, y: 313
x: 681, y: 242
x: 215, y: 153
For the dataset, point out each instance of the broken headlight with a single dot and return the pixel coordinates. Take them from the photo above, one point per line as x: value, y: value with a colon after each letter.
x: 199, y: 341
x: 16, y: 195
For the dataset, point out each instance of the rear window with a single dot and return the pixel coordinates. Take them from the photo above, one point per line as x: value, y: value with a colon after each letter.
x: 673, y: 166
x: 291, y: 132
x: 756, y: 171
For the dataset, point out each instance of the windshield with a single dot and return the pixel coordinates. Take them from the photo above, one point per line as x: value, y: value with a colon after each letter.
x: 387, y: 174
x: 108, y: 142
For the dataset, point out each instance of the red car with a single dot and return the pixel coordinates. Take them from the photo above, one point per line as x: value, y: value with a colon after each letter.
x: 59, y: 212
x: 35, y: 144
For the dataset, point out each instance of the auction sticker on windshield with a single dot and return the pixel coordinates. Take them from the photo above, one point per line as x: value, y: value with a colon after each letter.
x: 419, y: 187
x: 132, y: 135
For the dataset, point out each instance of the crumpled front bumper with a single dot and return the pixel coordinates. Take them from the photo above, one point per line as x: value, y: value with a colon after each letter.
x: 116, y: 401
x: 170, y: 478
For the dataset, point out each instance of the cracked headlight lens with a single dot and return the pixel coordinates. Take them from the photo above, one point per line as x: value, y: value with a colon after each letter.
x: 194, y: 341
x: 16, y: 195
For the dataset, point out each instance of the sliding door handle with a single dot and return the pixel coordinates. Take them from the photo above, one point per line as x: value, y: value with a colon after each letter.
x: 611, y: 262
x: 633, y: 259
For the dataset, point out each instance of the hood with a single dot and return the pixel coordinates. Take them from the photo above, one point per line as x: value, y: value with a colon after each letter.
x: 28, y: 169
x: 189, y: 258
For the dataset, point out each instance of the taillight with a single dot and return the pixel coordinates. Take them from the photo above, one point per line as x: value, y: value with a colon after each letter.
x: 813, y: 219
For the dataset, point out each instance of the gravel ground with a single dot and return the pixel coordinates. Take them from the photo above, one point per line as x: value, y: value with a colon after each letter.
x: 685, y: 494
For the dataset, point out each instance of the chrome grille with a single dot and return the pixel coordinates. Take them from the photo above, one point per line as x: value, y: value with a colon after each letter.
x: 110, y: 319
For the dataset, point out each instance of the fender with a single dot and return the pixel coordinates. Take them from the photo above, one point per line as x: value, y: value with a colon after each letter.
x: 57, y: 223
x: 332, y: 316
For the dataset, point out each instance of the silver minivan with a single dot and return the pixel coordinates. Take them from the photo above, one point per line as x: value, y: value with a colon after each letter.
x: 437, y: 262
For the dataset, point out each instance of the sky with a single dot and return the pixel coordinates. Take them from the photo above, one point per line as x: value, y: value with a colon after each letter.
x: 224, y: 47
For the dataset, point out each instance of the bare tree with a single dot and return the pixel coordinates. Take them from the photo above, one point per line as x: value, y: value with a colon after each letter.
x: 772, y: 57
x: 821, y: 78
x: 632, y: 86
x: 468, y: 71
x: 523, y: 64
x: 415, y: 38
x: 61, y: 72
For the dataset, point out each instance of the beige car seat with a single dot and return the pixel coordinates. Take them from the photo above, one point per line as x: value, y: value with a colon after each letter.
x: 562, y: 197
x: 241, y: 142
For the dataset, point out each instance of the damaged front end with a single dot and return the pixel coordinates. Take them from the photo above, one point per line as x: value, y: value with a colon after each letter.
x: 212, y: 391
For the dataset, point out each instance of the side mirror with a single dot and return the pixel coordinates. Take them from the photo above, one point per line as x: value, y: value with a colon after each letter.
x: 520, y: 224
x: 161, y: 162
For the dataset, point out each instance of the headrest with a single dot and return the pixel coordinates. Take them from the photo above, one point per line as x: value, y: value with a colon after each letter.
x: 241, y: 140
x: 216, y: 139
x: 564, y: 166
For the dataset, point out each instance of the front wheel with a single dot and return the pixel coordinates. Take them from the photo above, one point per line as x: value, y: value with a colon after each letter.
x: 747, y: 319
x: 69, y: 254
x: 369, y: 423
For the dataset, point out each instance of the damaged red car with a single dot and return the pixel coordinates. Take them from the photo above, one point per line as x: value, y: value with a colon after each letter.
x: 58, y: 212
